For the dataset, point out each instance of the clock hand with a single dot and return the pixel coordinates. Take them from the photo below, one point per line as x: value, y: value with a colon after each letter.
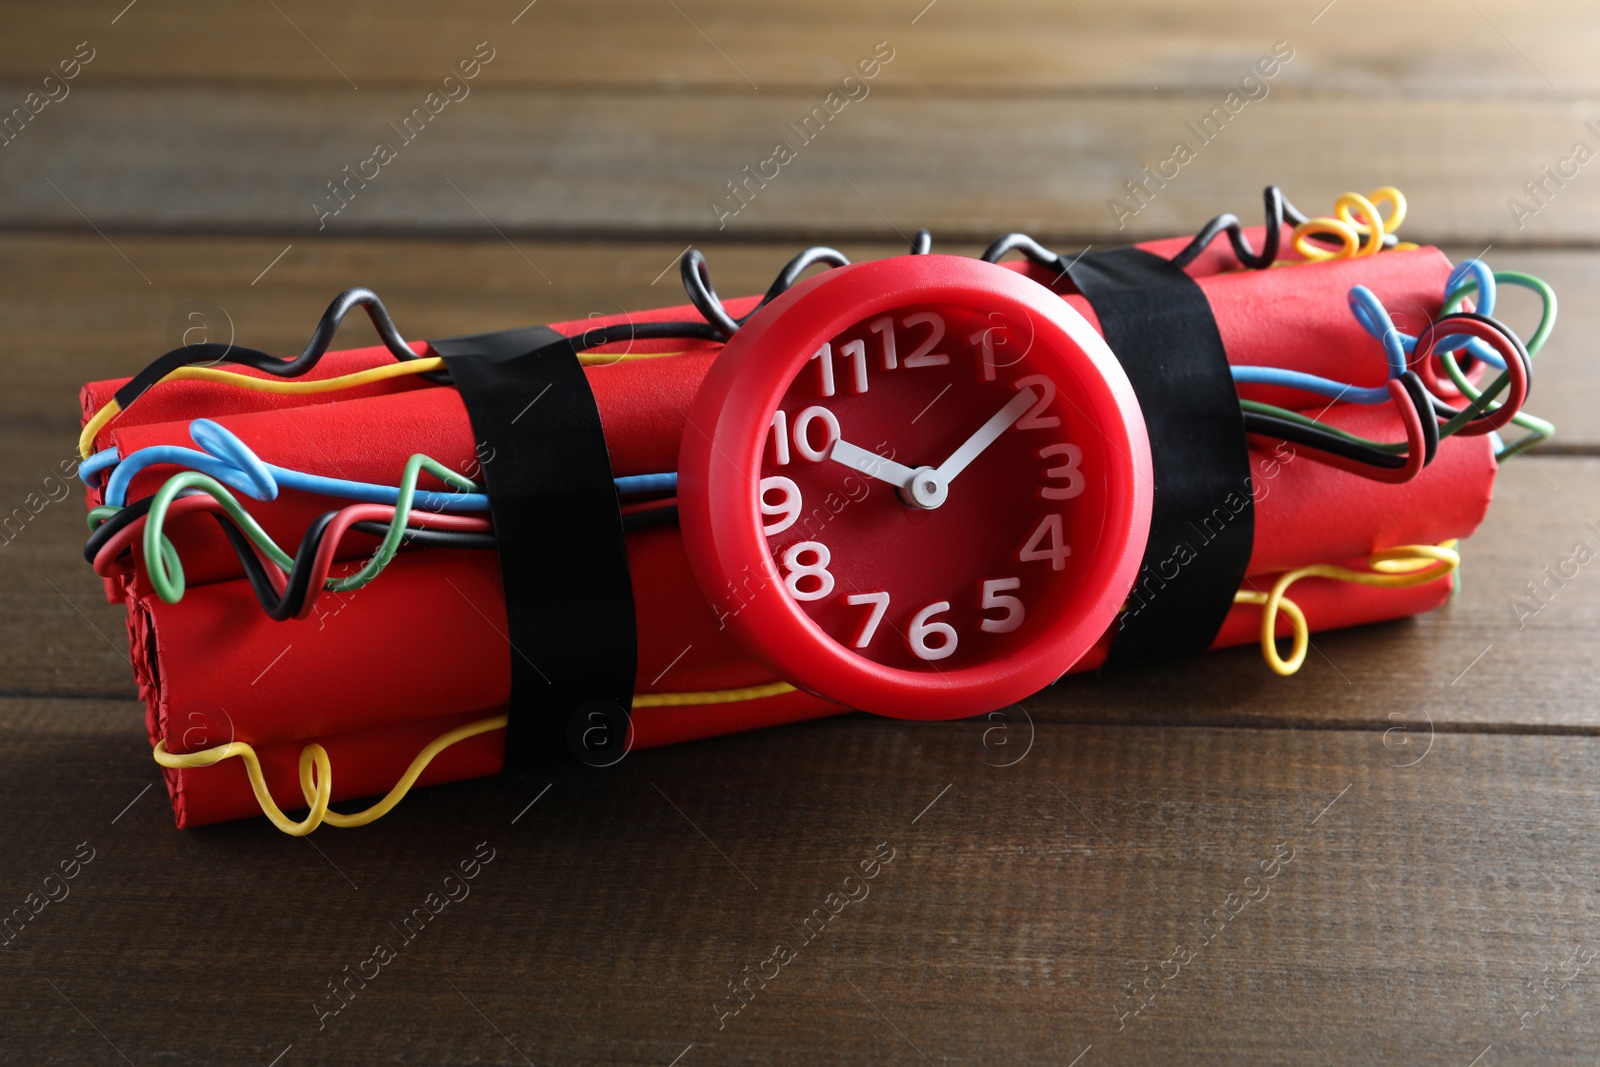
x: 987, y: 435
x: 871, y: 464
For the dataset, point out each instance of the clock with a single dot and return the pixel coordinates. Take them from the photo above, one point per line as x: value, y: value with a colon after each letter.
x: 917, y: 486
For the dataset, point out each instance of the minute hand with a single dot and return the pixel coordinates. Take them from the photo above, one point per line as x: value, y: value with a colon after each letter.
x: 987, y: 435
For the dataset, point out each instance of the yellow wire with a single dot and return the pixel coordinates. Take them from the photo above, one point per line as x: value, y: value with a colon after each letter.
x: 316, y: 777
x: 1393, y: 568
x: 281, y: 386
x: 605, y: 359
x: 301, y: 385
x: 316, y: 771
x: 92, y: 428
x: 1357, y: 223
x: 714, y: 696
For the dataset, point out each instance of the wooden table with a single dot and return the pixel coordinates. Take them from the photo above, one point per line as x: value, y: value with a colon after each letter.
x: 1424, y: 792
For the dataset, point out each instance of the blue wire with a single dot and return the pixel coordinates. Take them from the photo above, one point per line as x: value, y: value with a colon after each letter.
x: 1311, y: 383
x: 1375, y: 319
x: 232, y: 462
x: 96, y: 463
x: 647, y: 483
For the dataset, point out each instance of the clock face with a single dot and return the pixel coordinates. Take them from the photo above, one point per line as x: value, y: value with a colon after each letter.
x: 923, y: 486
x: 919, y: 486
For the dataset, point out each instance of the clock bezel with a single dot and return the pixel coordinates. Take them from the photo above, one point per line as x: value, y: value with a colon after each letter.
x: 721, y: 458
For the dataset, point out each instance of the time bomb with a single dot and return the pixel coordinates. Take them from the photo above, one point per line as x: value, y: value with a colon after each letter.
x: 926, y: 487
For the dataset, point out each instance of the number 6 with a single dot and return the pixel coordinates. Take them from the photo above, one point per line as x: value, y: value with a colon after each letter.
x: 921, y: 629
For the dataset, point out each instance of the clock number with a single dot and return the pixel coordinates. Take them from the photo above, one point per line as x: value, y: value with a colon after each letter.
x: 1047, y: 542
x: 817, y: 568
x: 925, y: 356
x: 824, y: 358
x: 788, y: 508
x: 884, y: 328
x: 1068, y: 470
x: 857, y: 352
x: 994, y: 596
x: 802, y: 433
x: 780, y: 437
x: 880, y: 604
x: 1035, y: 418
x: 984, y: 338
x: 922, y: 628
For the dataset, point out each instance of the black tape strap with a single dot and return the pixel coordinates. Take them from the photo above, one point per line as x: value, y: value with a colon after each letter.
x: 1160, y: 325
x: 558, y: 525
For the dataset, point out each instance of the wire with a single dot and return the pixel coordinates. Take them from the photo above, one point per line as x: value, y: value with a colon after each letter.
x: 1477, y: 333
x: 166, y: 573
x: 1357, y: 224
x: 1345, y: 230
x: 1274, y: 203
x: 316, y: 770
x: 1484, y: 282
x: 1393, y: 568
x: 1354, y: 454
x: 630, y: 484
x: 229, y: 460
x: 1311, y: 383
x: 712, y: 696
x: 294, y: 596
x: 316, y: 777
x: 696, y: 278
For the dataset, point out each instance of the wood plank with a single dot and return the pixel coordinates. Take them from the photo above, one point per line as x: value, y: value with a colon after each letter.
x: 1418, y: 910
x: 1364, y: 46
x: 553, y: 163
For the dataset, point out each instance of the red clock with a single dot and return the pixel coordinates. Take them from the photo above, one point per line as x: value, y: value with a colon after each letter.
x: 917, y: 486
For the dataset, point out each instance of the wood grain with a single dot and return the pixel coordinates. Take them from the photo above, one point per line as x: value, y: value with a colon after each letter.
x: 537, y: 162
x: 1434, y: 778
x: 1360, y: 46
x: 1418, y: 907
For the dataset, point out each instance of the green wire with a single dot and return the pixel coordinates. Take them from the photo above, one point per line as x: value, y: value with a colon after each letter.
x: 166, y: 571
x: 1479, y: 403
x: 1540, y: 430
x: 1306, y: 420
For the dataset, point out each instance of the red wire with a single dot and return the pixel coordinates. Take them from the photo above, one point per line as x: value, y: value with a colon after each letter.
x: 1516, y: 394
x: 346, y: 517
x: 106, y: 560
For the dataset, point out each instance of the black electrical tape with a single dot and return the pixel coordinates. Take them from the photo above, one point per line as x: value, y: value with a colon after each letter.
x: 558, y: 526
x: 1202, y: 525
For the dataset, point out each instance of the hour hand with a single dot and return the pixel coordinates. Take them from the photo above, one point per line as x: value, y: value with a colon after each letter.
x: 871, y: 464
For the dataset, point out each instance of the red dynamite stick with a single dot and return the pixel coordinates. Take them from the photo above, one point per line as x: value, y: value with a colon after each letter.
x: 322, y: 678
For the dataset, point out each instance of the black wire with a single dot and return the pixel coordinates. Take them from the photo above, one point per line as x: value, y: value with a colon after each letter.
x: 422, y: 537
x: 316, y: 347
x: 108, y: 529
x: 1257, y: 422
x: 1422, y: 402
x: 1031, y: 250
x: 299, y: 582
x: 641, y: 520
x: 1275, y: 207
x: 1440, y: 327
x: 696, y: 276
x: 298, y: 585
x: 922, y: 242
